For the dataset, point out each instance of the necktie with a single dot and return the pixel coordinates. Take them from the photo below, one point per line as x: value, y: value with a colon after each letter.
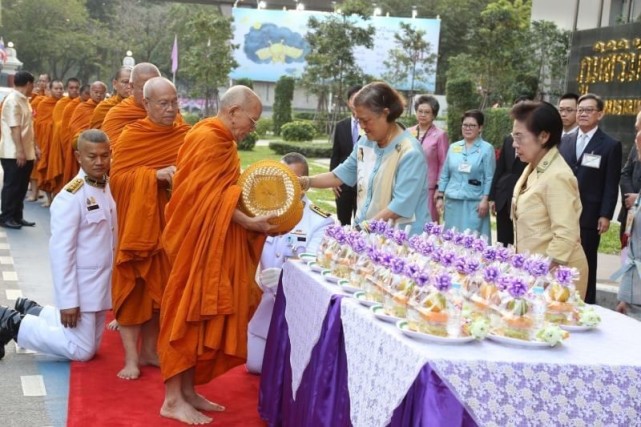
x: 580, y: 144
x: 354, y: 131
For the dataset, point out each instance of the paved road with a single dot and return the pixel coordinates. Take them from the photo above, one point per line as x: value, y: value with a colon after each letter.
x: 34, y: 387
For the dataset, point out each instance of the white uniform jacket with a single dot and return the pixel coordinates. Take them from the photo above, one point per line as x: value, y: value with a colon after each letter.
x: 82, y: 245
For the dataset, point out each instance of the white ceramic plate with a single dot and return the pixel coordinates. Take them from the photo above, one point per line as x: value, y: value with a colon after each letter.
x: 315, y: 267
x: 577, y: 328
x: 347, y: 287
x: 517, y: 342
x: 380, y: 314
x: 329, y: 277
x: 360, y: 297
x: 405, y: 330
x: 307, y: 257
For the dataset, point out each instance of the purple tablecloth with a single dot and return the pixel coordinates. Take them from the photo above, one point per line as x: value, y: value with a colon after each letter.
x: 323, y: 396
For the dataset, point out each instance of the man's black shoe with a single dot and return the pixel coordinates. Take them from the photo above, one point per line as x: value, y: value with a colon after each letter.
x: 26, y: 223
x: 11, y: 224
x: 1, y: 352
x: 27, y: 306
x: 9, y: 325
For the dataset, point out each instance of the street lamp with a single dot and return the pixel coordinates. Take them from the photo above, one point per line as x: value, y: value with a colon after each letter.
x: 414, y: 12
x: 300, y: 6
x: 261, y: 5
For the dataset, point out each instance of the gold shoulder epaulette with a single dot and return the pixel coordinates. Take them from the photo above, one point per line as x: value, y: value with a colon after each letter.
x: 319, y: 211
x: 74, y: 185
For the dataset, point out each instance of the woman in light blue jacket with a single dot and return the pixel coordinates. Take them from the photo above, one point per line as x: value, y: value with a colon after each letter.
x: 466, y: 178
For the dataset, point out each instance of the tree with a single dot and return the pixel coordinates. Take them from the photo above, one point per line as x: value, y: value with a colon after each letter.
x: 54, y: 36
x: 283, y: 95
x: 413, y: 56
x: 549, y: 50
x: 207, y: 56
x: 330, y: 63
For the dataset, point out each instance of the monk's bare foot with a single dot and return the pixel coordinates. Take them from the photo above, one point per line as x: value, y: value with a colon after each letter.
x: 113, y: 325
x: 45, y: 204
x: 130, y: 371
x: 149, y: 360
x: 182, y: 411
x: 31, y: 199
x: 202, y: 404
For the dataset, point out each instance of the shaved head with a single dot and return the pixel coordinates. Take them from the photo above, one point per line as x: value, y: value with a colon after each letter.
x: 57, y: 89
x: 139, y: 76
x: 120, y: 82
x: 98, y: 91
x: 240, y: 109
x: 160, y: 101
x: 85, y: 93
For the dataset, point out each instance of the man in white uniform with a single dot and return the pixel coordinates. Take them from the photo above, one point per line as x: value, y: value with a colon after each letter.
x: 81, y: 249
x: 305, y: 237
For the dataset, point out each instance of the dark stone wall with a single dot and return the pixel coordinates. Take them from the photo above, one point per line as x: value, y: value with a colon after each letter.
x: 607, y: 61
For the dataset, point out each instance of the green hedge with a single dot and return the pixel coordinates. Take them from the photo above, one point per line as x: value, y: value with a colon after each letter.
x: 309, y: 150
x: 191, y: 118
x: 282, y: 109
x: 264, y: 125
x: 249, y: 142
x: 498, y: 125
x: 407, y: 121
x: 298, y: 131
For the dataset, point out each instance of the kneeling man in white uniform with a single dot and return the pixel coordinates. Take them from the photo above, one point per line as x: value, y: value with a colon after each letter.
x: 305, y: 237
x: 81, y: 250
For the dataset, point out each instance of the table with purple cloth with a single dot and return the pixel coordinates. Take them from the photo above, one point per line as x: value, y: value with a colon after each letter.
x: 330, y: 362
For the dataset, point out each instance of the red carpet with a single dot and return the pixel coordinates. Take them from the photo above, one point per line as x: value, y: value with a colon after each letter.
x: 97, y: 397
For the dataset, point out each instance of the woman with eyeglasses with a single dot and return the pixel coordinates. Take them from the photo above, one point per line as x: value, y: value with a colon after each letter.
x: 546, y: 205
x: 387, y: 164
x: 434, y: 143
x: 466, y: 179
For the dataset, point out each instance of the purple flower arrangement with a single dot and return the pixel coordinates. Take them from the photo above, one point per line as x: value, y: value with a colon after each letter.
x: 517, y: 286
x: 442, y: 281
x: 491, y: 274
x: 565, y: 276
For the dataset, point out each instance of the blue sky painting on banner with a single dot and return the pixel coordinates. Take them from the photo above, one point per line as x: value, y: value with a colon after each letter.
x: 272, y: 44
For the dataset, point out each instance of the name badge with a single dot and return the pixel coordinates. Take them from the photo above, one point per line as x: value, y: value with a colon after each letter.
x: 465, y: 168
x: 591, y: 161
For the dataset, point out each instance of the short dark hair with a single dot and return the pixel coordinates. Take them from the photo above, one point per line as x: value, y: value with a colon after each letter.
x: 296, y: 158
x: 23, y: 78
x: 353, y: 90
x: 599, y: 101
x: 85, y: 88
x: 540, y: 116
x: 378, y: 96
x: 72, y: 79
x: 570, y: 95
x: 56, y: 81
x: 522, y: 98
x: 475, y: 114
x: 120, y: 70
x: 92, y: 135
x: 430, y: 100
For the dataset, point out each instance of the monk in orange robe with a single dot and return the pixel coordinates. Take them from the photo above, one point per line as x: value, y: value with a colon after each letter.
x: 53, y: 177
x: 122, y: 90
x: 80, y: 122
x: 44, y: 134
x: 132, y: 108
x: 40, y: 92
x: 144, y: 158
x: 214, y: 249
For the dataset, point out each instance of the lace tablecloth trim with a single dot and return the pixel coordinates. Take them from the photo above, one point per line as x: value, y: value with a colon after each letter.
x: 305, y: 310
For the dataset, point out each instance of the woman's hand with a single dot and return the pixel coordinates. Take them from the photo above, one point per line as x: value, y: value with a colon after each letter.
x: 483, y: 208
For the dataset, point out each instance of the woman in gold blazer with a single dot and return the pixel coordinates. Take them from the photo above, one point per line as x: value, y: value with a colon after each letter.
x: 545, y: 204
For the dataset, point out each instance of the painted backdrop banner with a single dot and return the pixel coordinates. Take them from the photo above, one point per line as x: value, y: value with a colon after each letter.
x: 272, y: 44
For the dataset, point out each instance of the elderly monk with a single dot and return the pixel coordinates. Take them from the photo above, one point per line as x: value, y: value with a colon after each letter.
x: 132, y: 108
x: 40, y: 90
x: 144, y: 159
x: 80, y: 122
x: 122, y: 90
x: 214, y: 249
x: 44, y: 134
x: 54, y: 157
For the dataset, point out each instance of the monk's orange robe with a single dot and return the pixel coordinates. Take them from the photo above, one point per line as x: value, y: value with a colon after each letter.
x: 56, y: 151
x: 211, y: 293
x: 79, y: 122
x: 102, y: 109
x: 43, y: 131
x: 51, y: 157
x: 120, y: 116
x: 142, y: 268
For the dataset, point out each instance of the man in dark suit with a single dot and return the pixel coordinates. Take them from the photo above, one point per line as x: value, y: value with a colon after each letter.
x: 346, y: 135
x: 595, y: 159
x: 508, y: 171
x: 630, y: 184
